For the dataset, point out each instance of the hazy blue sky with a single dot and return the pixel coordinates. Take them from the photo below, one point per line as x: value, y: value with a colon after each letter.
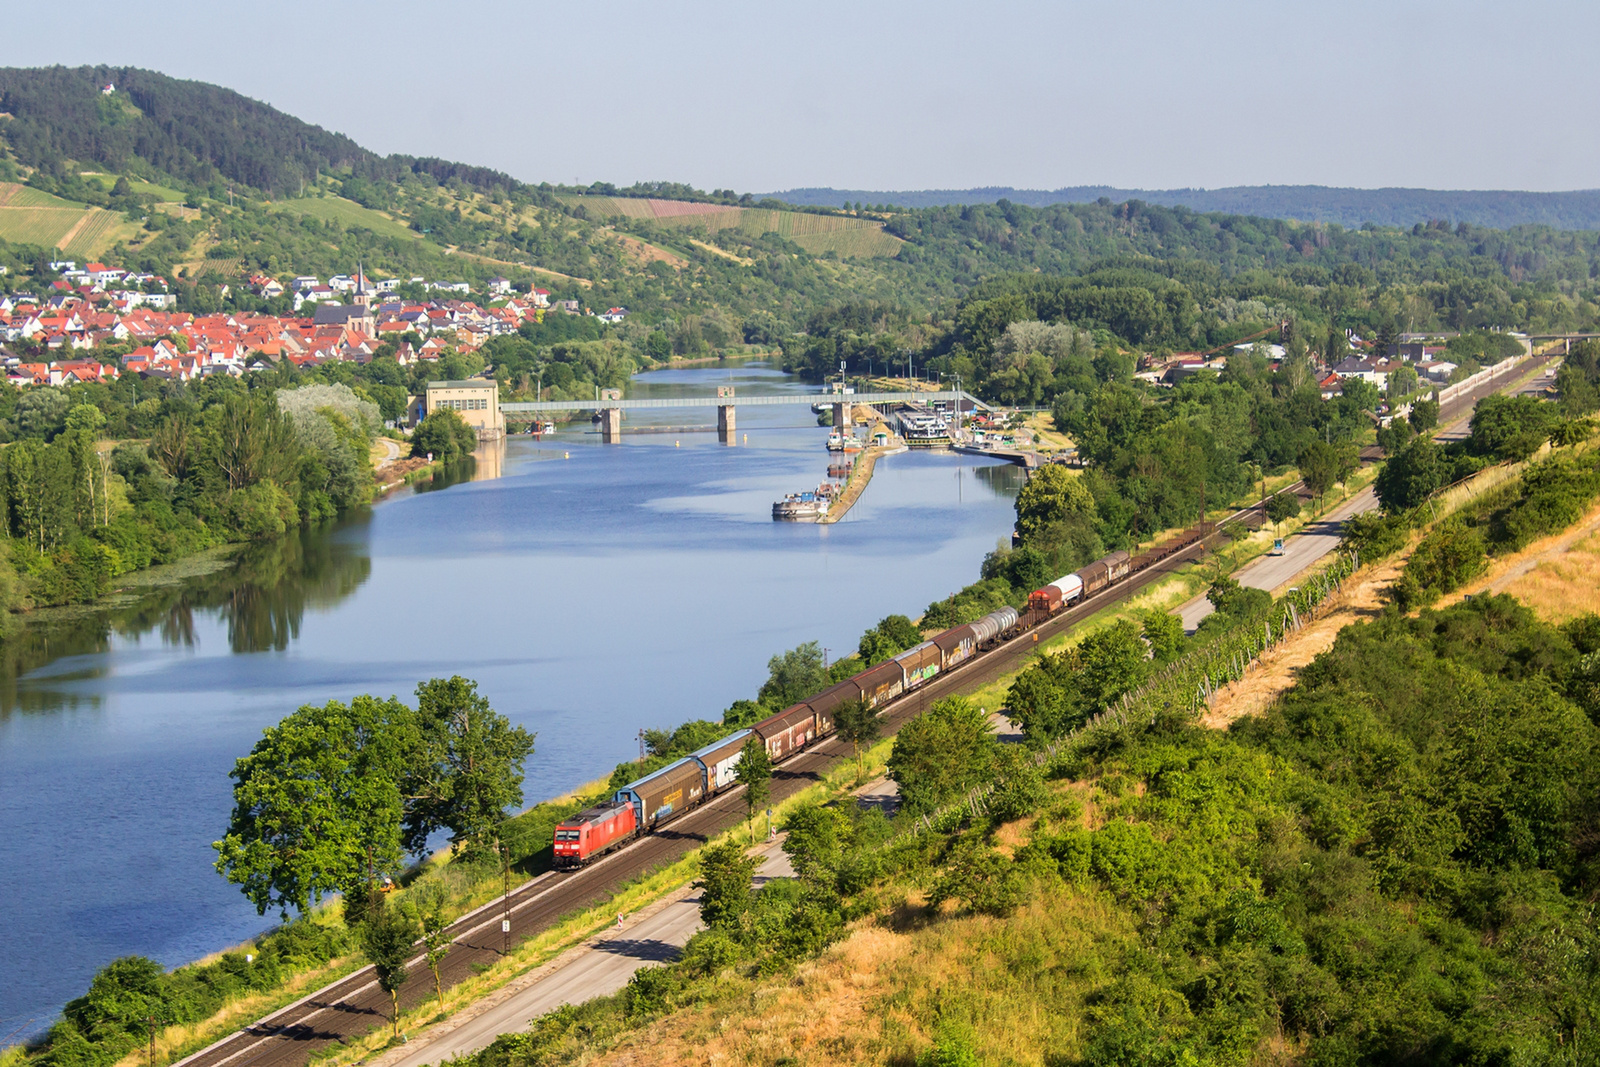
x: 895, y: 95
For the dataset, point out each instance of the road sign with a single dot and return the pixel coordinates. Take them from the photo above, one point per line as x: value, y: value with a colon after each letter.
x: 505, y: 926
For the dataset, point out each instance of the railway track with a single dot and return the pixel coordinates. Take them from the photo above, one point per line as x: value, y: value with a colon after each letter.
x: 354, y: 1005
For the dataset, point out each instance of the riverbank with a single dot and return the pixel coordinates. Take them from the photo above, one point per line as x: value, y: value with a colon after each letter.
x: 860, y: 475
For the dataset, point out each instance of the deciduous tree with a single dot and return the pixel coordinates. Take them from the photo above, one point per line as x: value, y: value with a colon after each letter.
x: 317, y: 804
x: 754, y: 772
x: 467, y: 768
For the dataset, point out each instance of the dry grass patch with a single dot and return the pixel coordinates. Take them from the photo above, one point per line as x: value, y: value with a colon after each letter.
x: 1556, y: 576
x: 1020, y: 983
x: 1562, y: 588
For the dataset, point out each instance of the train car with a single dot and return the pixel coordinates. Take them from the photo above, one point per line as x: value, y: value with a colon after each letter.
x: 788, y: 731
x: 1120, y: 564
x: 1070, y: 588
x: 990, y: 629
x: 881, y: 684
x: 672, y: 790
x: 593, y: 831
x: 955, y: 645
x: 1105, y: 570
x: 1156, y: 553
x: 720, y: 759
x: 920, y: 662
x: 1047, y: 600
x: 826, y: 704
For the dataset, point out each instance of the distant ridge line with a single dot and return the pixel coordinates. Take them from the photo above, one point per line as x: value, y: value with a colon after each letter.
x: 1394, y: 206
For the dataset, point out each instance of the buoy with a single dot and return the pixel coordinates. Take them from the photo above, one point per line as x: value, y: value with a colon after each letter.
x: 566, y: 455
x: 677, y: 444
x: 746, y: 438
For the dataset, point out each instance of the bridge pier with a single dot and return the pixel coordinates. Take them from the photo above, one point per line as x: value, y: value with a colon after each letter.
x: 611, y: 425
x: 841, y: 416
x: 725, y: 423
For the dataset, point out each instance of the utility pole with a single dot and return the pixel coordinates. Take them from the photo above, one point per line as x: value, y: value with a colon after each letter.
x: 151, y: 1021
x: 505, y: 915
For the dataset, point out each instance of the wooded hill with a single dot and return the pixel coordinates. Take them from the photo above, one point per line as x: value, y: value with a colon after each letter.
x: 188, y: 130
x: 1497, y: 208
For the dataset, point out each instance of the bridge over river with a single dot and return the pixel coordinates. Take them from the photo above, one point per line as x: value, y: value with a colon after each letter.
x: 611, y: 406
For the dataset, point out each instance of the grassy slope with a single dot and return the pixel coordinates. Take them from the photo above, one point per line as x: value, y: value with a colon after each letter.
x: 815, y: 233
x: 347, y: 213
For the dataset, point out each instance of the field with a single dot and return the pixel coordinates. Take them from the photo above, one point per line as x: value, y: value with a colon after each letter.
x: 96, y: 231
x: 28, y: 216
x: 815, y: 233
x: 347, y: 213
x: 19, y: 196
x: 164, y: 192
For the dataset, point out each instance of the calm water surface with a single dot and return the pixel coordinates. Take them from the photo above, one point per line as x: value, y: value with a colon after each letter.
x: 623, y: 587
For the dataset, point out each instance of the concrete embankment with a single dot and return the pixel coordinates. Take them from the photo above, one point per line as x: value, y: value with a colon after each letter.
x: 860, y: 475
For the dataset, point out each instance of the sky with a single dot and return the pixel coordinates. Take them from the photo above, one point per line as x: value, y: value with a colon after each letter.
x: 893, y: 95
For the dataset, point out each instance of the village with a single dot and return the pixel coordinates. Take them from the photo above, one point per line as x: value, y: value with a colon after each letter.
x: 1369, y: 361
x: 91, y: 311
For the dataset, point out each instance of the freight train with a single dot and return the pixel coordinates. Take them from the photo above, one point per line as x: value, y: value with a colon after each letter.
x: 641, y: 806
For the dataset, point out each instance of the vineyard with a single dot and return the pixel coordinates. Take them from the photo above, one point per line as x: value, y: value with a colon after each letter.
x: 95, y: 231
x: 22, y: 196
x: 42, y: 226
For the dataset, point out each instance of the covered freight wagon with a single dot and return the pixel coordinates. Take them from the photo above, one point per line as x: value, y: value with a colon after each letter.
x: 673, y: 789
x: 955, y: 645
x: 920, y: 662
x: 1102, y: 572
x: 1120, y: 563
x: 880, y: 684
x: 788, y: 731
x: 720, y: 759
x: 593, y: 831
x: 826, y: 704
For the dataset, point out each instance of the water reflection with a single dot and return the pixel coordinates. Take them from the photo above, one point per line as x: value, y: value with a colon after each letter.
x: 262, y: 597
x: 1005, y: 479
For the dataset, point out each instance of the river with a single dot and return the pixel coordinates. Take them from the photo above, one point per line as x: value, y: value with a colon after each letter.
x: 590, y: 590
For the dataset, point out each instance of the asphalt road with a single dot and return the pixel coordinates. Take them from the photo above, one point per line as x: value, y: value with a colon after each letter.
x: 1317, y: 539
x: 1302, y: 550
x: 602, y: 967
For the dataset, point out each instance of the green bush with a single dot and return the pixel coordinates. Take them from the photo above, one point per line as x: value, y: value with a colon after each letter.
x: 1454, y: 553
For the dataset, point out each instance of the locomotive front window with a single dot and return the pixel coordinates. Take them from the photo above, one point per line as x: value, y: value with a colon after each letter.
x: 566, y: 835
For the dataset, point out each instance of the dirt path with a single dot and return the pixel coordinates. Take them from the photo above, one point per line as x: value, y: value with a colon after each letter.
x: 1548, y: 575
x: 1361, y: 599
x: 390, y: 449
x: 77, y: 228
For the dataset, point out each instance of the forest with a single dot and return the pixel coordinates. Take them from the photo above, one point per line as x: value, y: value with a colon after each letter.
x: 1499, y: 209
x: 98, y: 481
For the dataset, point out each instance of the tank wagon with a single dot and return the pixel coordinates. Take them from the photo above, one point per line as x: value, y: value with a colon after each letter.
x: 643, y: 805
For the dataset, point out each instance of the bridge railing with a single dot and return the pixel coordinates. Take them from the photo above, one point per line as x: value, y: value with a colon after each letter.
x: 869, y: 399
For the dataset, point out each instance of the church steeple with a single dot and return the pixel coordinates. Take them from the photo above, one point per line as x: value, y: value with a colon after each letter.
x: 361, y: 299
